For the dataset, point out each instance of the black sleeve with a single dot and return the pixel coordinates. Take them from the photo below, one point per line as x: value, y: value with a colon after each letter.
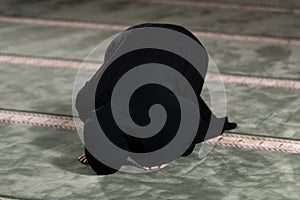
x: 83, y: 103
x: 189, y: 151
x: 86, y: 97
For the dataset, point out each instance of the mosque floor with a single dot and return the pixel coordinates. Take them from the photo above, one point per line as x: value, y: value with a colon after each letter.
x: 256, y: 46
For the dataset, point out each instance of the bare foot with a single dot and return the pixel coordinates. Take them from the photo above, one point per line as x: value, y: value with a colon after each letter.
x: 82, y: 159
x: 156, y: 167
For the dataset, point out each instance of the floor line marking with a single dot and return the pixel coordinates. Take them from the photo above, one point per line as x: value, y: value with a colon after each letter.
x: 257, y: 143
x: 46, y: 62
x: 4, y: 198
x: 255, y: 81
x: 227, y: 79
x: 230, y: 140
x: 219, y: 5
x: 114, y: 27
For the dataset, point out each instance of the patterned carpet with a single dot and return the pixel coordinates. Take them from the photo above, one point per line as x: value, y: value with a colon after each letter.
x: 256, y: 46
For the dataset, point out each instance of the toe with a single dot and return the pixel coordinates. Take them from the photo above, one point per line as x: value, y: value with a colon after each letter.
x: 163, y: 166
x: 155, y: 167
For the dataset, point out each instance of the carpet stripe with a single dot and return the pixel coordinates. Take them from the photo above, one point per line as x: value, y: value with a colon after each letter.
x: 257, y: 143
x: 230, y: 6
x: 45, y: 62
x: 230, y: 140
x: 227, y: 79
x: 256, y: 81
x: 34, y: 119
x: 4, y: 198
x: 114, y: 27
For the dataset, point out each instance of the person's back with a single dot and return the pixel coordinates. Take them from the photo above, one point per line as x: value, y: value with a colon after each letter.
x: 141, y: 101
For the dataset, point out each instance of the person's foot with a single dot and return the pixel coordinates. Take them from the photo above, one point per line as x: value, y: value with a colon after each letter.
x: 82, y: 159
x: 229, y: 125
x: 155, y: 167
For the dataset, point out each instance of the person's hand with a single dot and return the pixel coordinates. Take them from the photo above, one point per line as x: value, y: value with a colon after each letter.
x: 229, y: 125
